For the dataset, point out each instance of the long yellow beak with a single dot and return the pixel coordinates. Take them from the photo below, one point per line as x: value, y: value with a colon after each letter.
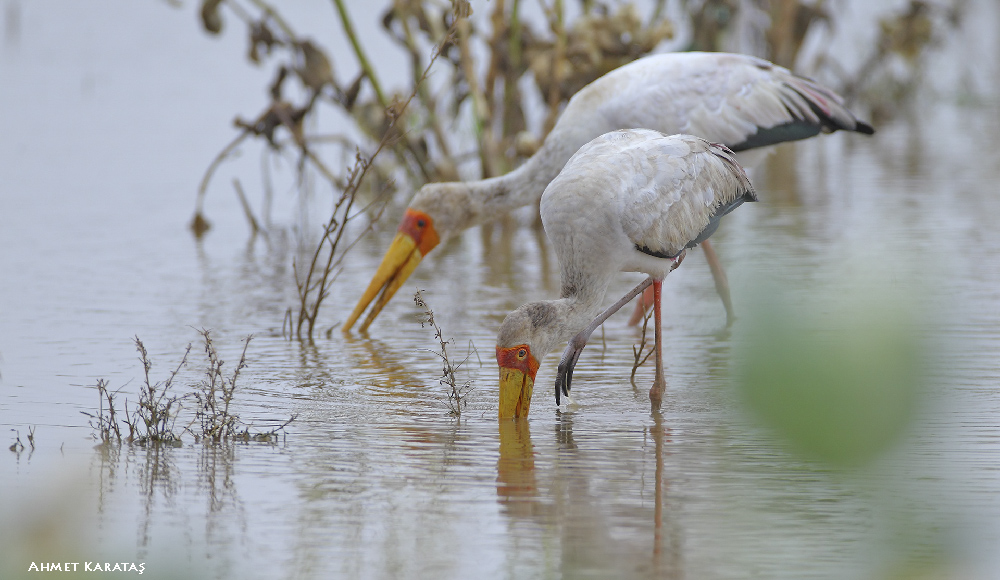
x: 400, y: 260
x: 515, y: 393
x: 416, y: 237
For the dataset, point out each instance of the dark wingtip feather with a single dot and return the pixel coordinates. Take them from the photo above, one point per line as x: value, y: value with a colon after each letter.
x: 862, y: 127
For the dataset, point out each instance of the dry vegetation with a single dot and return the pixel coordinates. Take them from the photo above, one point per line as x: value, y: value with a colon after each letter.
x: 153, y: 421
x: 457, y: 393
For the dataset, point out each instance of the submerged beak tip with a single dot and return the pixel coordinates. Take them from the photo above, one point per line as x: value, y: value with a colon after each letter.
x: 515, y: 393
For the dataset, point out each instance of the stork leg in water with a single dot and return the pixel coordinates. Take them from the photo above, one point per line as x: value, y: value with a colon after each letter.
x: 659, y: 384
x: 643, y: 304
x: 564, y: 374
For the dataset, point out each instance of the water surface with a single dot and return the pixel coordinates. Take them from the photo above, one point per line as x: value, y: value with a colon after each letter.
x: 113, y: 112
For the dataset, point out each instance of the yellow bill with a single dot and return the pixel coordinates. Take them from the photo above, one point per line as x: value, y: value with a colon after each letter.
x: 517, y: 379
x: 416, y: 237
x: 515, y: 393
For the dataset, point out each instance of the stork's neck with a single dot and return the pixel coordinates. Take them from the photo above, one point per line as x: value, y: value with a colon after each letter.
x: 455, y: 206
x: 577, y: 308
x: 524, y: 185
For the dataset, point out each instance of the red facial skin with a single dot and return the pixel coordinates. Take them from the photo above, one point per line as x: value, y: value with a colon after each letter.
x: 420, y: 227
x: 518, y: 358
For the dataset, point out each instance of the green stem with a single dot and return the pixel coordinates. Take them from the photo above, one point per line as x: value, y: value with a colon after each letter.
x: 558, y: 55
x: 510, y: 95
x: 345, y: 20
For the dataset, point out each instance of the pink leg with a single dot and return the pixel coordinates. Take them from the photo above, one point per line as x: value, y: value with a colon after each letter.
x: 721, y: 283
x: 659, y: 384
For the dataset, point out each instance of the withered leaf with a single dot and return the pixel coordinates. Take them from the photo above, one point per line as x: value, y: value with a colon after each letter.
x: 261, y: 36
x: 210, y: 17
x: 316, y: 70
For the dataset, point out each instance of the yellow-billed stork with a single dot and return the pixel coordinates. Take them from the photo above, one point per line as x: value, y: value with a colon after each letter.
x: 743, y: 102
x: 630, y: 200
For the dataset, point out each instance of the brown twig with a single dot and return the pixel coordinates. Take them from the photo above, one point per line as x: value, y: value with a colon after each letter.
x: 199, y: 223
x: 457, y: 395
x: 273, y: 15
x: 247, y: 211
x: 640, y: 359
x: 314, y: 288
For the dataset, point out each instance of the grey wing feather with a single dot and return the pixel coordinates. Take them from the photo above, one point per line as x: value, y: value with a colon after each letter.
x: 683, y: 188
x: 739, y: 100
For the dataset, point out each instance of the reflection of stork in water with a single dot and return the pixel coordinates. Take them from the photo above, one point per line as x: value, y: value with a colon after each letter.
x: 564, y: 495
x: 517, y: 487
x: 627, y: 201
x: 740, y: 101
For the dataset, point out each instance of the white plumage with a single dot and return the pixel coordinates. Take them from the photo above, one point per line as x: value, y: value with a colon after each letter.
x: 630, y: 200
x: 743, y: 102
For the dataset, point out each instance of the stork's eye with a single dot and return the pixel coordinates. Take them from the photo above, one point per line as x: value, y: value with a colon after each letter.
x: 421, y: 223
x: 521, y: 354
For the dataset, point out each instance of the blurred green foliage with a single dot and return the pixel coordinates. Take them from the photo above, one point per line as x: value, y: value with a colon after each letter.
x: 837, y: 371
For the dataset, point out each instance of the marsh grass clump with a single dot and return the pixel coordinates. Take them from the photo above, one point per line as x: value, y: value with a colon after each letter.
x: 216, y: 393
x: 154, y: 419
x: 457, y: 394
x: 105, y: 424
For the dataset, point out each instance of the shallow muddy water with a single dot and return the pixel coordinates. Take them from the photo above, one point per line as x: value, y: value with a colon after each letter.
x: 111, y: 115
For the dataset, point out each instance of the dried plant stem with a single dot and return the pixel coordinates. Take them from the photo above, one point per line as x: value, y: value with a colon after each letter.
x: 314, y: 288
x: 493, y: 71
x: 156, y: 408
x: 427, y: 99
x: 316, y: 284
x: 152, y: 421
x: 105, y: 426
x: 222, y: 156
x: 369, y: 72
x: 247, y: 211
x: 658, y: 10
x: 456, y: 394
x: 273, y: 15
x: 217, y: 392
x: 637, y: 350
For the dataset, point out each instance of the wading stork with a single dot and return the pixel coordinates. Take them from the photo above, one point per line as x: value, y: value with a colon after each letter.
x: 743, y: 102
x: 632, y: 201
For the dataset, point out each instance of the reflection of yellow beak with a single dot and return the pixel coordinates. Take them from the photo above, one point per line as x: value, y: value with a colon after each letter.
x: 400, y: 260
x: 515, y: 393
